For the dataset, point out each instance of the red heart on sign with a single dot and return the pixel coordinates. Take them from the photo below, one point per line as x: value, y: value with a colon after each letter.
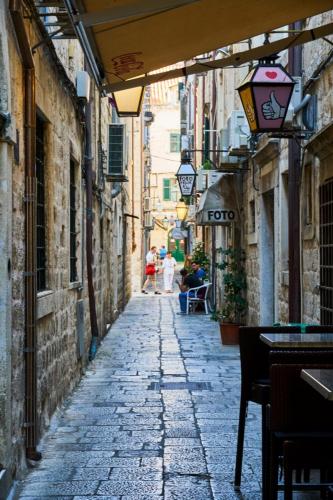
x: 271, y: 74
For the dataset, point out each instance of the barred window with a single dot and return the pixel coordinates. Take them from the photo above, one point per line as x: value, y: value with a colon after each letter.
x: 72, y: 222
x: 326, y: 252
x: 41, y: 229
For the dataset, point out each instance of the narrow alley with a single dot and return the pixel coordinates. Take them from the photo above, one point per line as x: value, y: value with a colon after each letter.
x: 155, y: 416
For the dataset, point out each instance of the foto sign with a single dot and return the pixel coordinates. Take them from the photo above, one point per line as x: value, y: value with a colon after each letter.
x: 220, y: 215
x: 216, y: 216
x: 186, y: 179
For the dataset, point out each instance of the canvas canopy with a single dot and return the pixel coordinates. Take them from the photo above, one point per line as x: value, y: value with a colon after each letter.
x: 218, y: 204
x: 129, y: 38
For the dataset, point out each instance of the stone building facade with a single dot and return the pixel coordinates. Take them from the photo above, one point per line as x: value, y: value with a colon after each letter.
x: 266, y: 174
x: 63, y: 309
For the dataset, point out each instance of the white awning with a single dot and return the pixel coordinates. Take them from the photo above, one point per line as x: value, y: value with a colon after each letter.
x: 218, y: 204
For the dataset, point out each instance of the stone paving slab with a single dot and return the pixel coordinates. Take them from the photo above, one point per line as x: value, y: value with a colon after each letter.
x: 155, y: 416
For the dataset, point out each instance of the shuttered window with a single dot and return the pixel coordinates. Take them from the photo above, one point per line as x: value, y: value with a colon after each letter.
x: 166, y: 189
x: 174, y: 143
x: 116, y: 149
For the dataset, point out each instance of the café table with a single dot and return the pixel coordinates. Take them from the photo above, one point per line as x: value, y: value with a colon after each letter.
x: 279, y: 342
x: 298, y: 340
x: 321, y: 380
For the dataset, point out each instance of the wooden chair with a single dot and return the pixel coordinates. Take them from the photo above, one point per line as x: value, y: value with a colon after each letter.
x: 255, y: 385
x: 199, y: 296
x: 300, y: 423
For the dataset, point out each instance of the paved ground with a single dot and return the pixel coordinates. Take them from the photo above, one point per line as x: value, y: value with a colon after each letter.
x: 154, y: 417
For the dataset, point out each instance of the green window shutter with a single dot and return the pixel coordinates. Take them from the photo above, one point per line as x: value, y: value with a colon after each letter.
x: 116, y: 149
x: 166, y: 190
x: 174, y: 143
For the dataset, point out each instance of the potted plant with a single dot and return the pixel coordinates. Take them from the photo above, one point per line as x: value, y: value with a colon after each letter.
x: 234, y: 304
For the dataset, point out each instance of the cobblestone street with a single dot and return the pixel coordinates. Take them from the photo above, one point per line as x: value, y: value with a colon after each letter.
x: 155, y: 416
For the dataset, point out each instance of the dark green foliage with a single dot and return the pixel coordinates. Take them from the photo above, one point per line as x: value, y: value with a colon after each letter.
x: 234, y: 304
x: 199, y: 256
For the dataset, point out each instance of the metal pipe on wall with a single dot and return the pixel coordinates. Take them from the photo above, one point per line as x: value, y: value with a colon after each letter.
x: 294, y: 176
x: 89, y: 232
x: 30, y: 281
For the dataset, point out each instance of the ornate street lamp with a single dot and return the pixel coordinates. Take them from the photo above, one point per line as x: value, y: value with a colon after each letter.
x: 265, y: 94
x: 186, y: 177
x: 128, y: 102
x: 181, y: 209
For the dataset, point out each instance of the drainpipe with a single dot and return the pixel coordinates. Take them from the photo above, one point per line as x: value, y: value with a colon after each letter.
x: 215, y: 156
x: 30, y: 232
x: 89, y: 233
x: 294, y: 176
x: 133, y: 188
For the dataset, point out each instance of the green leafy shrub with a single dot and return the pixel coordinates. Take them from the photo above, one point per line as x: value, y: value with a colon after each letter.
x: 234, y: 304
x: 199, y: 256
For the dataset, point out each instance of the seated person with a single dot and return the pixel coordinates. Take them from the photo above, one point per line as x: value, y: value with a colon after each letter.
x: 188, y: 281
x: 197, y: 271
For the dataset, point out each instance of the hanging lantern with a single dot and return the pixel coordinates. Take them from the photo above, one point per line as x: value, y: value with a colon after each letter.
x: 265, y: 94
x: 128, y: 102
x: 186, y: 177
x: 181, y: 209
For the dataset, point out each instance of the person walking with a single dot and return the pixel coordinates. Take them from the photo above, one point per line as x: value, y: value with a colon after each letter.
x: 150, y: 271
x: 169, y: 264
x: 163, y: 252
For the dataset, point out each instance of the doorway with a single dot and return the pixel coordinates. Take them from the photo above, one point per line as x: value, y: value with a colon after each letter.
x: 267, y: 260
x: 176, y: 247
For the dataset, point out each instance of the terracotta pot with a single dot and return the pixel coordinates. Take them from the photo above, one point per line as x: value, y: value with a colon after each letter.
x: 229, y: 333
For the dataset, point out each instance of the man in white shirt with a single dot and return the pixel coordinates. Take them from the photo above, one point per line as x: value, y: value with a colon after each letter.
x: 169, y: 264
x: 150, y: 271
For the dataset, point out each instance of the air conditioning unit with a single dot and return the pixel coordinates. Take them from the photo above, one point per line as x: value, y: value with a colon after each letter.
x: 147, y: 204
x: 149, y: 221
x: 213, y: 176
x: 116, y: 153
x: 238, y: 133
x: 225, y: 159
x: 153, y: 204
x: 83, y: 85
x: 201, y: 181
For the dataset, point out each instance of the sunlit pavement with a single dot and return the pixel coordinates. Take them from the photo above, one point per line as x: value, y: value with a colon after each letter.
x: 154, y: 417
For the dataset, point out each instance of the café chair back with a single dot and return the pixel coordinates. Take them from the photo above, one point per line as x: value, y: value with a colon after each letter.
x: 300, y: 426
x: 199, y: 296
x: 254, y: 360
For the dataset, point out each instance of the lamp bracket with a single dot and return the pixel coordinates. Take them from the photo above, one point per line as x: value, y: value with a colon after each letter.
x: 301, y: 134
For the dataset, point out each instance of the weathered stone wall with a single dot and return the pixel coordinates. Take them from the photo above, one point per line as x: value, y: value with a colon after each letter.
x: 59, y: 366
x: 314, y: 54
x: 6, y: 152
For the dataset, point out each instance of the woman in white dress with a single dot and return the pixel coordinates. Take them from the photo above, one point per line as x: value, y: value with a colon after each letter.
x: 169, y: 264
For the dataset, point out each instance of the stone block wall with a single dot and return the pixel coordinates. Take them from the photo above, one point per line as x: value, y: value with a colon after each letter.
x: 59, y: 366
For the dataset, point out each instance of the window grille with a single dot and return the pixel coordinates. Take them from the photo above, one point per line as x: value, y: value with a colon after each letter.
x: 72, y: 222
x: 326, y: 253
x: 41, y: 229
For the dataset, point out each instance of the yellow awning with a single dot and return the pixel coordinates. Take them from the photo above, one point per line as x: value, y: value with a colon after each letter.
x: 135, y: 37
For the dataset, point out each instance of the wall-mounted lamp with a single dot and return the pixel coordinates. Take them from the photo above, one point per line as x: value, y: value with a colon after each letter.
x: 265, y: 94
x: 128, y: 102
